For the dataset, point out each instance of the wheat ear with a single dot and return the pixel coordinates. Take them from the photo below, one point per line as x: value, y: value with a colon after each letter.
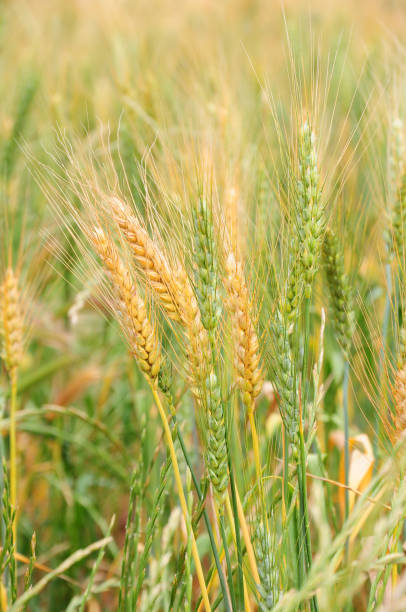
x: 399, y: 396
x: 133, y: 313
x: 196, y: 335
x: 310, y: 211
x: 149, y: 257
x: 340, y: 291
x: 246, y: 348
x: 285, y: 378
x: 11, y: 328
x: 268, y: 569
x: 399, y: 388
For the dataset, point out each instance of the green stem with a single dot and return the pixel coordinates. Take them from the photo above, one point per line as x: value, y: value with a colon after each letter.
x: 346, y: 444
x: 240, y: 579
x: 385, y: 329
x: 228, y: 562
x: 301, y: 466
x: 206, y: 519
x: 304, y: 511
x: 13, y: 452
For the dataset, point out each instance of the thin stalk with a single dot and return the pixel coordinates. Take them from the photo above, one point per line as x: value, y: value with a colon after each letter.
x: 13, y: 451
x: 232, y: 511
x: 286, y: 511
x: 305, y: 511
x: 182, y: 499
x: 230, y: 515
x: 346, y: 445
x: 228, y: 561
x: 385, y: 329
x: 247, y: 539
x: 223, y: 585
x: 255, y: 445
x: 301, y: 466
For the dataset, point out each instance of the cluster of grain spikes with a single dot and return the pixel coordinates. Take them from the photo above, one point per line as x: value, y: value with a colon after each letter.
x: 170, y: 285
x: 11, y: 332
x: 132, y: 316
x: 198, y: 311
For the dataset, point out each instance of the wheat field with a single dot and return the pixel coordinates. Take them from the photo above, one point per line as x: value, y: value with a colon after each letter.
x: 202, y: 306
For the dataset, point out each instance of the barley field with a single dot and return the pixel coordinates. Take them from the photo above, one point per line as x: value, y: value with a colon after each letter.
x: 202, y: 306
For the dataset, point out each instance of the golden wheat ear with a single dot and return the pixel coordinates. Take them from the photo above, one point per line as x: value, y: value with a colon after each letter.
x: 399, y: 396
x: 11, y: 327
x: 131, y: 312
x: 149, y: 257
x: 246, y: 347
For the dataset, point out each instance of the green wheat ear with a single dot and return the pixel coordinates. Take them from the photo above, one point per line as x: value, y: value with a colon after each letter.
x: 394, y: 235
x: 285, y: 378
x: 340, y: 291
x: 310, y: 211
x: 399, y: 219
x: 207, y: 270
x: 308, y: 228
x: 268, y: 569
x: 207, y: 292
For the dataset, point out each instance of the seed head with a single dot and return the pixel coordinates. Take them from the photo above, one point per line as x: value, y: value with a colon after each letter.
x: 340, y: 291
x: 131, y: 310
x: 246, y: 349
x: 11, y: 327
x: 148, y: 256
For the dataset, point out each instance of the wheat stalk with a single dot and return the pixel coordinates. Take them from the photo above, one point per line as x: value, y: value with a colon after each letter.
x: 11, y: 330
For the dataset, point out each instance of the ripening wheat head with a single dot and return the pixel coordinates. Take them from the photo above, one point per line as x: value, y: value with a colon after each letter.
x: 149, y: 257
x: 11, y: 325
x: 131, y: 310
x: 246, y: 348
